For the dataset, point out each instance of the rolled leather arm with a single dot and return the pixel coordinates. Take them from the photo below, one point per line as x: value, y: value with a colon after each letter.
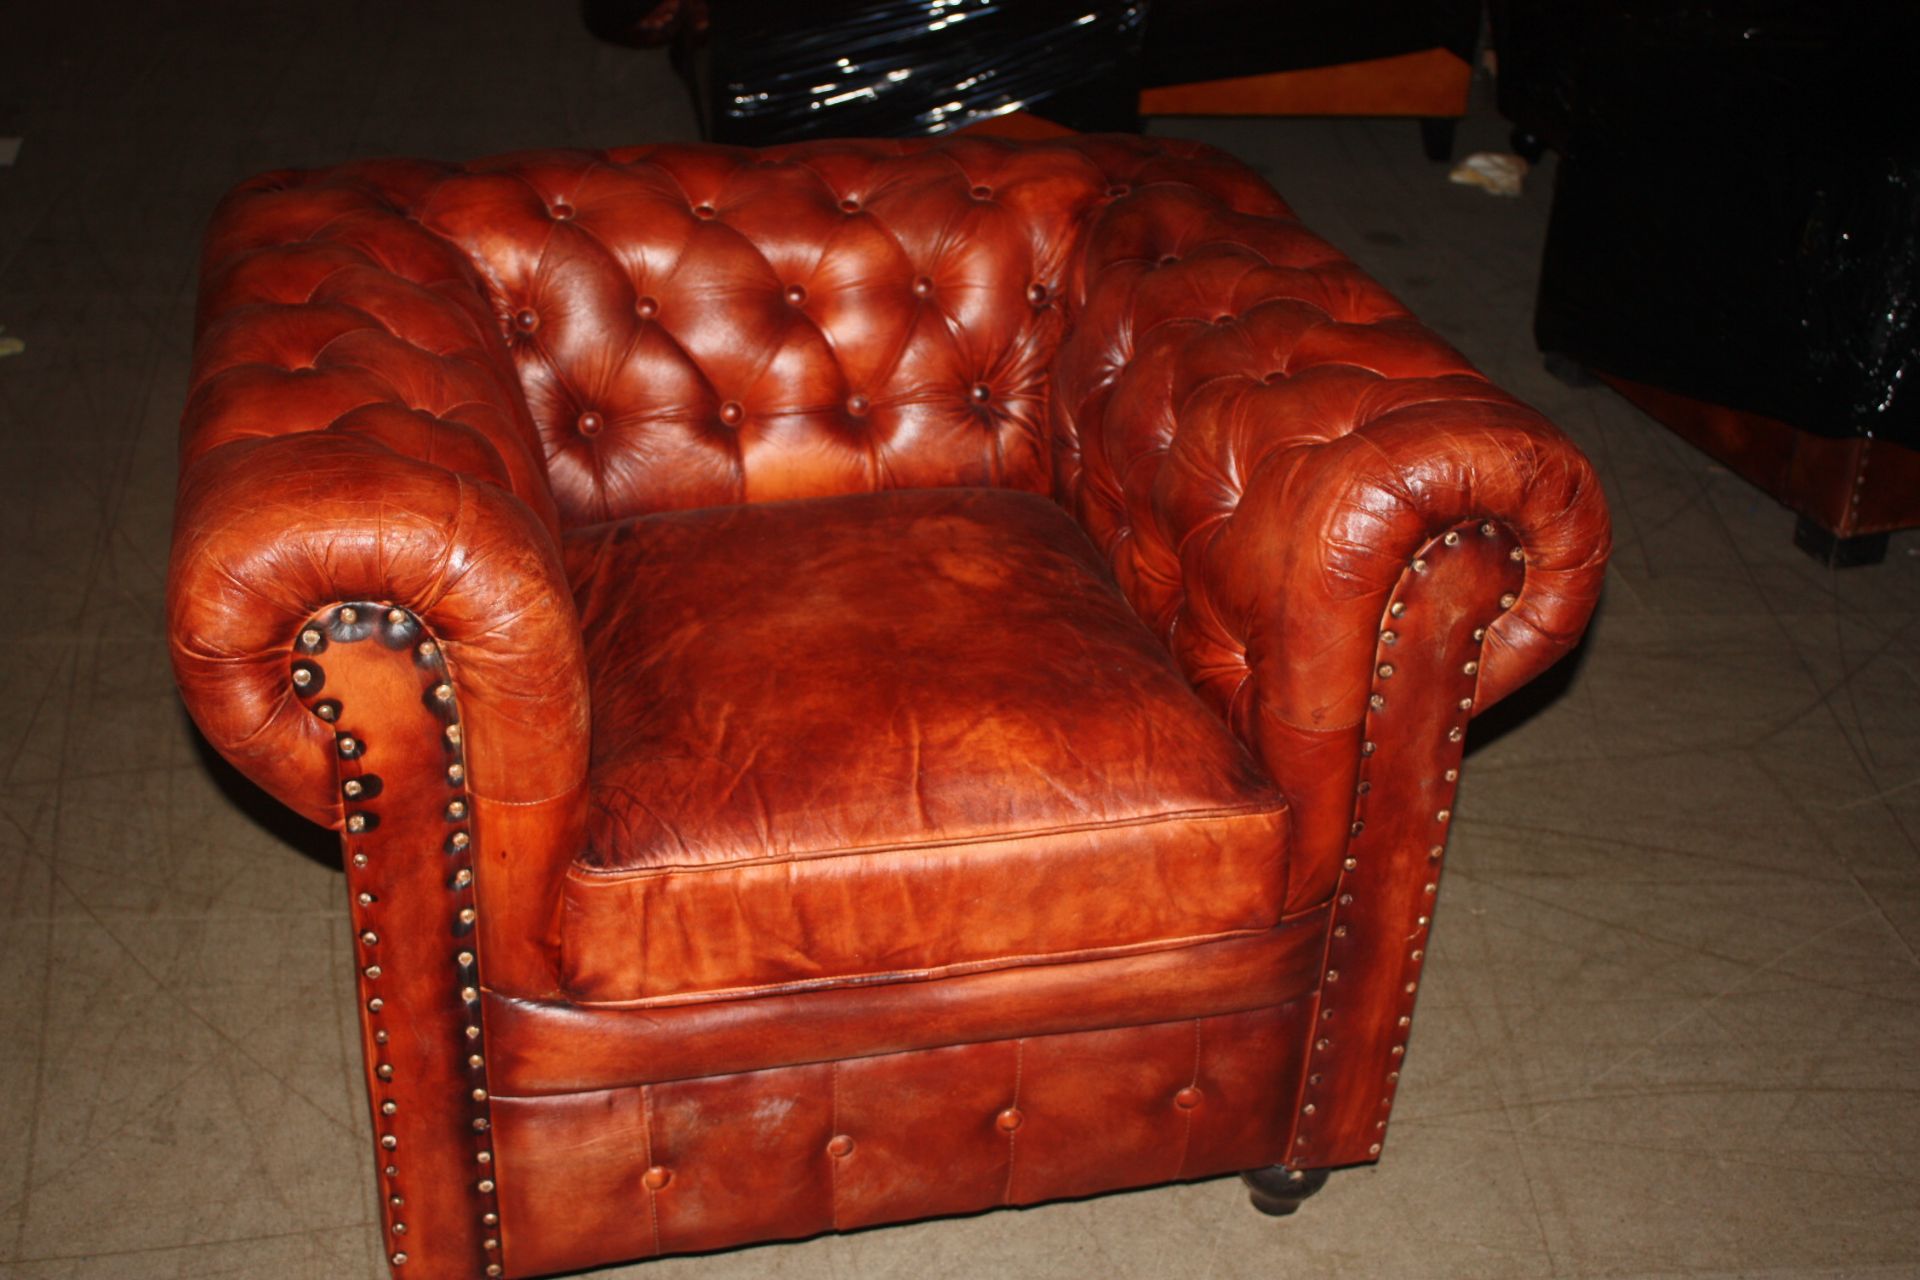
x: 270, y: 532
x: 1263, y: 440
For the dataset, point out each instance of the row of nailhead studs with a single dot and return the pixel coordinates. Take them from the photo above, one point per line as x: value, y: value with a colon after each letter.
x: 732, y: 413
x: 1376, y: 702
x: 308, y: 678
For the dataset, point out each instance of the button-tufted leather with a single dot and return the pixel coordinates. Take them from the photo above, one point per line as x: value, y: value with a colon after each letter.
x: 914, y: 845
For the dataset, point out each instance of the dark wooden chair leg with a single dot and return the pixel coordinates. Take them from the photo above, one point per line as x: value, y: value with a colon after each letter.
x: 1836, y: 552
x: 1436, y: 137
x: 1278, y: 1191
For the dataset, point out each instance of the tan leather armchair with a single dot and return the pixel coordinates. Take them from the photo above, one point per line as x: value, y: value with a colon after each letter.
x: 856, y: 682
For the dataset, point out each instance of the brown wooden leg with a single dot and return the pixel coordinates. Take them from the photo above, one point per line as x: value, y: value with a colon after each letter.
x: 1836, y: 552
x: 1278, y: 1191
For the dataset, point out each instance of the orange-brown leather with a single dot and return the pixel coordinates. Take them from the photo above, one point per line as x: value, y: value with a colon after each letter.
x: 886, y: 736
x: 466, y: 393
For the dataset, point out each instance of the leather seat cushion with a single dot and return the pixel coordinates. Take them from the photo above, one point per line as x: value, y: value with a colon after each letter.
x: 890, y: 736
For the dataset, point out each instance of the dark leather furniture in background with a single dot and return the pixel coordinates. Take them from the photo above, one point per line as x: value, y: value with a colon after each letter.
x: 856, y: 682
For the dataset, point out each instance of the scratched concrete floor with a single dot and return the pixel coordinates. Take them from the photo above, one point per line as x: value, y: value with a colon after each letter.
x: 1669, y: 1027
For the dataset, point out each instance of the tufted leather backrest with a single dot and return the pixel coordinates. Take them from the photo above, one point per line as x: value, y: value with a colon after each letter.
x: 694, y: 325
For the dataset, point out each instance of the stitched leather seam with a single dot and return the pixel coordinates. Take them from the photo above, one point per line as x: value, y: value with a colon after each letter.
x: 578, y: 872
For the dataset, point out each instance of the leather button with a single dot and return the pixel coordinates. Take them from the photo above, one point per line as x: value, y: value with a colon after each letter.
x: 703, y: 211
x: 527, y: 318
x: 1010, y: 1119
x: 857, y: 406
x: 849, y: 205
x: 1187, y: 1099
x: 646, y: 308
x: 1037, y: 294
x: 1224, y: 318
x: 732, y: 413
x: 981, y: 192
x: 590, y: 423
x: 1118, y: 189
x: 656, y: 1177
x: 562, y: 211
x: 1168, y: 259
x: 922, y: 286
x: 981, y: 393
x: 840, y: 1146
x: 796, y: 295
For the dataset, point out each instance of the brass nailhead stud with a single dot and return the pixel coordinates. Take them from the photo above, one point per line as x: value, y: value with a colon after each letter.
x: 490, y: 1243
x: 479, y: 1125
x: 1453, y: 775
x: 1466, y: 704
x: 1452, y: 539
x: 1443, y: 815
x: 490, y: 1219
x: 1346, y: 899
x: 1322, y: 1043
x: 1479, y: 634
x: 1339, y: 931
x: 366, y: 899
x: 1376, y: 702
x: 456, y: 771
x: 309, y: 637
x: 1424, y: 921
x: 384, y: 1071
x: 369, y: 937
x: 493, y: 1269
x: 393, y: 1171
x: 379, y: 1037
x: 1487, y: 530
x: 388, y: 1108
x: 375, y: 1005
x: 357, y: 822
x: 453, y: 733
x: 1419, y: 566
x: 1455, y: 734
x: 388, y: 1141
x: 1518, y: 553
x: 302, y: 677
x: 1435, y: 852
x: 1374, y: 1150
x: 348, y: 746
x: 1470, y: 667
x: 1389, y: 637
x: 359, y: 859
x: 479, y: 1095
x: 475, y: 1061
x: 1333, y: 975
x: 457, y: 809
x: 1506, y: 601
x: 399, y: 1228
x: 349, y: 614
x: 1405, y: 1021
x: 1418, y: 956
x: 486, y: 1184
x: 468, y: 915
x: 373, y: 971
x: 485, y: 1157
x: 1308, y: 1110
x: 352, y: 787
x: 1386, y: 671
x: 1399, y: 1050
x: 399, y: 1259
x: 444, y: 692
x: 461, y: 839
x: 396, y: 616
x: 469, y: 995
x: 462, y: 878
x: 473, y: 1033
x: 464, y: 959
x: 1367, y: 748
x: 396, y: 1201
x: 1411, y: 987
x: 1397, y: 608
x: 1350, y: 863
x: 426, y: 648
x: 1357, y: 827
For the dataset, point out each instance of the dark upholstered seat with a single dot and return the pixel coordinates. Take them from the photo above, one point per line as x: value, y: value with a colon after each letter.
x: 825, y: 751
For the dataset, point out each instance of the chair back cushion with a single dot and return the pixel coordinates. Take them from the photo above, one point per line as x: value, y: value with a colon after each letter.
x: 696, y: 326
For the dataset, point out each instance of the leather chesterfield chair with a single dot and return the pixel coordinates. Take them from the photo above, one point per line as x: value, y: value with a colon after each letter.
x: 856, y: 682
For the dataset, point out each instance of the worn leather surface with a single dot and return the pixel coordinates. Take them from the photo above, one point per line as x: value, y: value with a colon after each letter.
x: 885, y: 736
x: 701, y: 1164
x: 414, y: 382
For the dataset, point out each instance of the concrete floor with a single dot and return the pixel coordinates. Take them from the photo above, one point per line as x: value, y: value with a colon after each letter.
x: 1669, y: 1022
